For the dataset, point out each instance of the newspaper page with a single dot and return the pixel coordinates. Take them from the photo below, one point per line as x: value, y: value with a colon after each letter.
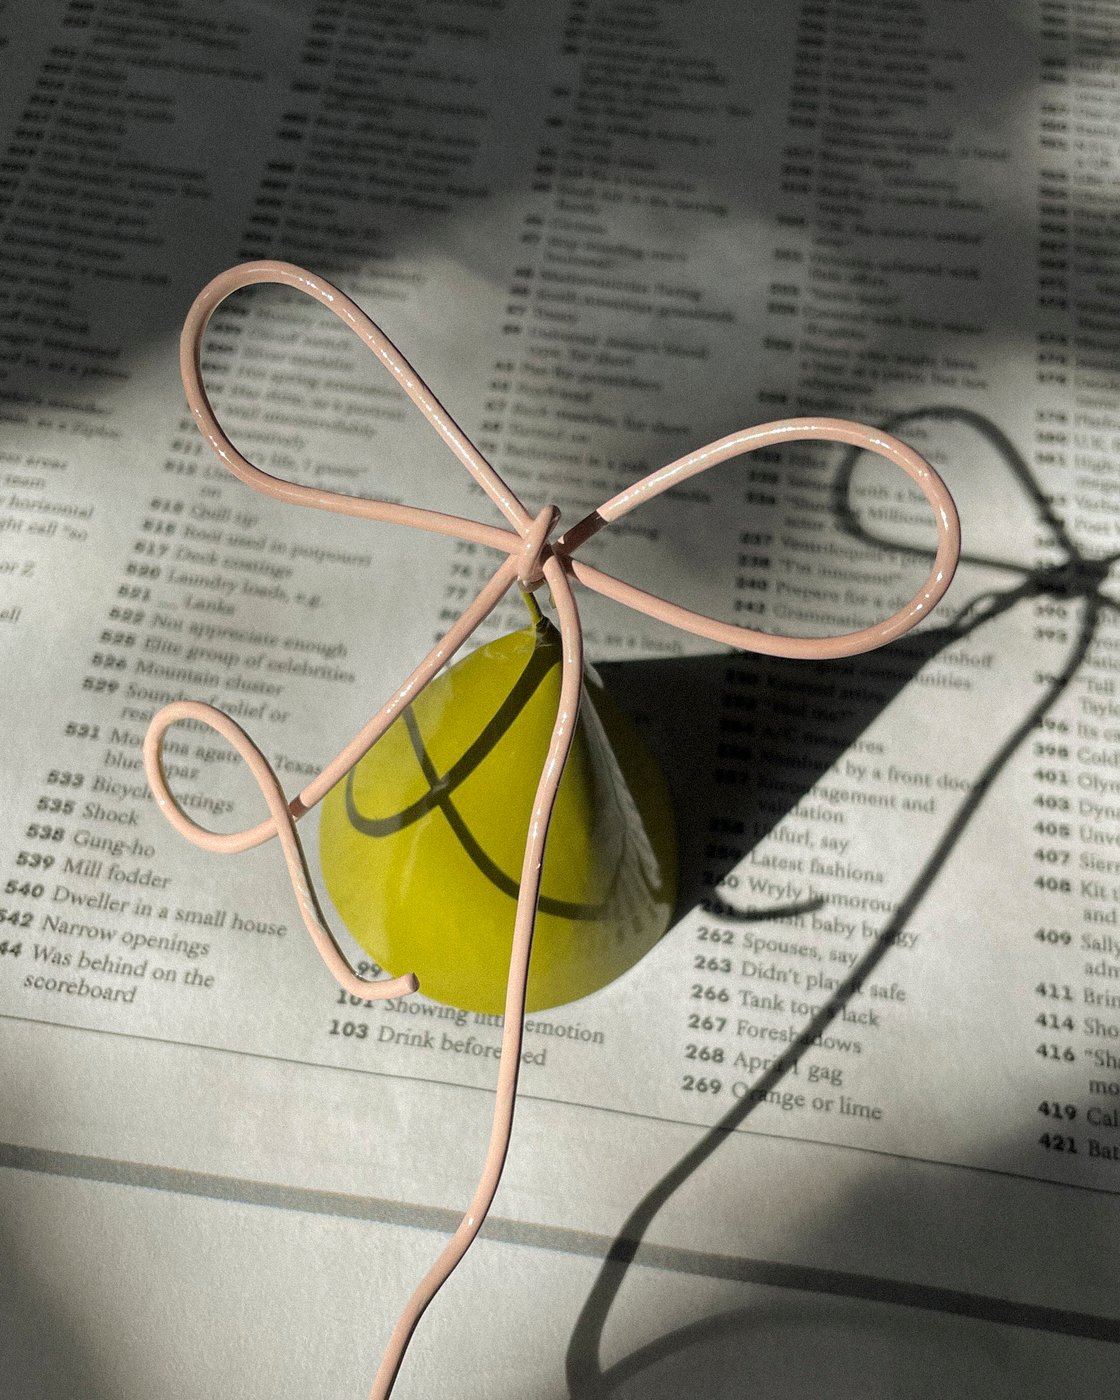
x: 854, y: 1123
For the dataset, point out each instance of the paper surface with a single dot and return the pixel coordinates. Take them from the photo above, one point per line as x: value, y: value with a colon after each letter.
x: 604, y: 236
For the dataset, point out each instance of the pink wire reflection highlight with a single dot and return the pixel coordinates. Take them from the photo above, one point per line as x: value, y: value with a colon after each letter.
x: 531, y: 556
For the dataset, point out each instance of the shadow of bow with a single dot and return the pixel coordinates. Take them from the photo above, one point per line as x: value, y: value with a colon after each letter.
x: 1076, y: 578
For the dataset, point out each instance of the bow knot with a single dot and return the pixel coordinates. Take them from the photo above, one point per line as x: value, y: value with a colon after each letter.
x: 536, y: 548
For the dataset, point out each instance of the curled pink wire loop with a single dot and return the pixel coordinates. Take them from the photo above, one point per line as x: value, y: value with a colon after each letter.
x: 531, y: 556
x: 282, y: 824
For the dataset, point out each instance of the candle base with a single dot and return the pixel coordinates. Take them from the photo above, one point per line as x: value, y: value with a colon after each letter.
x: 422, y: 844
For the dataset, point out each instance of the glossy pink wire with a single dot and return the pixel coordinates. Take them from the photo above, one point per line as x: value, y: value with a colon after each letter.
x: 531, y: 556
